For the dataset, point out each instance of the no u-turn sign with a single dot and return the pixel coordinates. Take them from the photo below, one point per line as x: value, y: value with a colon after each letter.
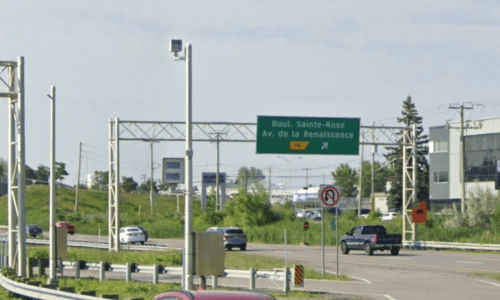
x: 329, y: 196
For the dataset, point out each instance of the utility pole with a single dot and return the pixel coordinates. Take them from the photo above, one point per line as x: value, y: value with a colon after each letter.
x: 78, y: 176
x: 360, y: 175
x: 307, y: 176
x: 269, y: 184
x: 462, y: 107
x: 53, y: 199
x: 374, y: 149
x: 217, y: 200
x: 151, y: 183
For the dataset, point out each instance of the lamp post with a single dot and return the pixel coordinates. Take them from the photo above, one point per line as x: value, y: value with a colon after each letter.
x: 289, y: 162
x: 187, y: 271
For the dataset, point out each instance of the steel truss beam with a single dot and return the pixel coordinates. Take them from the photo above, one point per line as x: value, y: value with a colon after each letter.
x: 14, y: 85
x: 410, y: 167
x: 202, y: 132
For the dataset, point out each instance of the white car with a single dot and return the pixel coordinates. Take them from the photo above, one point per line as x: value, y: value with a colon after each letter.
x: 132, y: 235
x: 303, y: 214
x: 389, y: 216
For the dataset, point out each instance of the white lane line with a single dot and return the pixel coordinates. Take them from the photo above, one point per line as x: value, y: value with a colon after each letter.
x: 362, y: 279
x: 389, y: 297
x: 485, y: 281
x: 404, y: 258
x: 469, y: 262
x: 484, y: 258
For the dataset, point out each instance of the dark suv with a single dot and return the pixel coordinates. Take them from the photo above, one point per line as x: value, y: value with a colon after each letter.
x: 233, y: 237
x: 34, y: 230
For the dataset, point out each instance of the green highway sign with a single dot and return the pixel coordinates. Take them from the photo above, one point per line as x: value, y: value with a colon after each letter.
x: 307, y: 135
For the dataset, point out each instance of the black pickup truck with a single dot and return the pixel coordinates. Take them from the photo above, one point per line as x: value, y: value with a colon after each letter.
x: 369, y: 239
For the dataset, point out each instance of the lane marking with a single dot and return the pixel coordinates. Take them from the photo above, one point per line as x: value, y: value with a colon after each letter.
x: 469, y: 262
x: 365, y: 280
x: 326, y: 271
x: 405, y: 258
x: 389, y: 297
x: 484, y: 258
x: 485, y: 281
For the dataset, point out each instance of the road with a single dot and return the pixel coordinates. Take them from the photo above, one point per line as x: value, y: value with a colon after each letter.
x: 413, y: 274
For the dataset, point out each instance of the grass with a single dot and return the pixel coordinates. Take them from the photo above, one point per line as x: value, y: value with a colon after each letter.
x: 495, y: 276
x: 174, y: 258
x: 92, y: 217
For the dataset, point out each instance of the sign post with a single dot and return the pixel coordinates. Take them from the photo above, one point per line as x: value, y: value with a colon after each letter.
x: 330, y: 197
x: 306, y: 226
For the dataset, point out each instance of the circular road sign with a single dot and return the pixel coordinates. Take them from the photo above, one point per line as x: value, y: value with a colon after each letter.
x: 330, y: 196
x: 306, y: 225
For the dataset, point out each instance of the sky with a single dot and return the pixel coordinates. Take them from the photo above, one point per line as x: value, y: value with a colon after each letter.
x: 339, y: 59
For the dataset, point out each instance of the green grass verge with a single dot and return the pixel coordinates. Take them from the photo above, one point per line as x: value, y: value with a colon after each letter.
x: 92, y: 216
x: 495, y: 276
x: 174, y: 258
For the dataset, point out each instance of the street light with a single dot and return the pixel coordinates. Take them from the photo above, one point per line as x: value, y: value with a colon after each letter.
x: 289, y: 161
x: 187, y: 278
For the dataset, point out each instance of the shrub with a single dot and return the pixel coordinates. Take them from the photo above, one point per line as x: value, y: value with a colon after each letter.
x: 479, y: 213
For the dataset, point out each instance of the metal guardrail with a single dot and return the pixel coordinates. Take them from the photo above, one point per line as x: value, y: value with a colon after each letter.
x: 36, y: 292
x: 445, y: 245
x: 97, y: 245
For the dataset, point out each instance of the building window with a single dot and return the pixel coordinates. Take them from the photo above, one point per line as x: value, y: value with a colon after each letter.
x: 482, y: 153
x: 440, y: 177
x: 440, y: 146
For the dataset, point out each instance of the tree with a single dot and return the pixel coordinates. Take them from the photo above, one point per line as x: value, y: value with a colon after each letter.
x: 249, y: 209
x: 129, y: 184
x: 346, y: 178
x: 146, y: 186
x: 3, y: 169
x: 60, y: 171
x: 101, y: 180
x: 246, y: 176
x: 382, y: 175
x: 395, y: 156
x: 30, y: 174
x: 42, y: 173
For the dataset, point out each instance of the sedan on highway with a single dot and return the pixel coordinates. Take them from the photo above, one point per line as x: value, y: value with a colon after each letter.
x: 71, y: 229
x: 389, y: 216
x: 132, y: 235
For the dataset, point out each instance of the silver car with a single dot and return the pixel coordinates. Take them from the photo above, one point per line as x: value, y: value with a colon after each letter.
x: 234, y: 237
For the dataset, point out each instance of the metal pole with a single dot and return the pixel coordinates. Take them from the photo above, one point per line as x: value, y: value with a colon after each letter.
x: 21, y: 176
x: 270, y: 185
x: 337, y: 238
x: 462, y: 158
x: 374, y: 149
x: 323, y: 239
x: 188, y: 278
x: 12, y: 235
x: 286, y: 261
x: 78, y: 175
x: 217, y: 177
x: 151, y: 183
x: 360, y: 177
x: 53, y: 202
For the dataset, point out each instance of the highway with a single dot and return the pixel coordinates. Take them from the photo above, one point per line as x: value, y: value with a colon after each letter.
x: 414, y: 274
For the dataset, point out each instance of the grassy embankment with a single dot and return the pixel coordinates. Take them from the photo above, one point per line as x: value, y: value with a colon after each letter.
x: 166, y: 223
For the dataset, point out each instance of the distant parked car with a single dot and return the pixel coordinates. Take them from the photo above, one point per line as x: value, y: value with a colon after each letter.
x: 71, y: 229
x: 146, y: 233
x: 389, y: 216
x: 233, y: 237
x: 132, y: 235
x: 303, y: 214
x: 34, y: 230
